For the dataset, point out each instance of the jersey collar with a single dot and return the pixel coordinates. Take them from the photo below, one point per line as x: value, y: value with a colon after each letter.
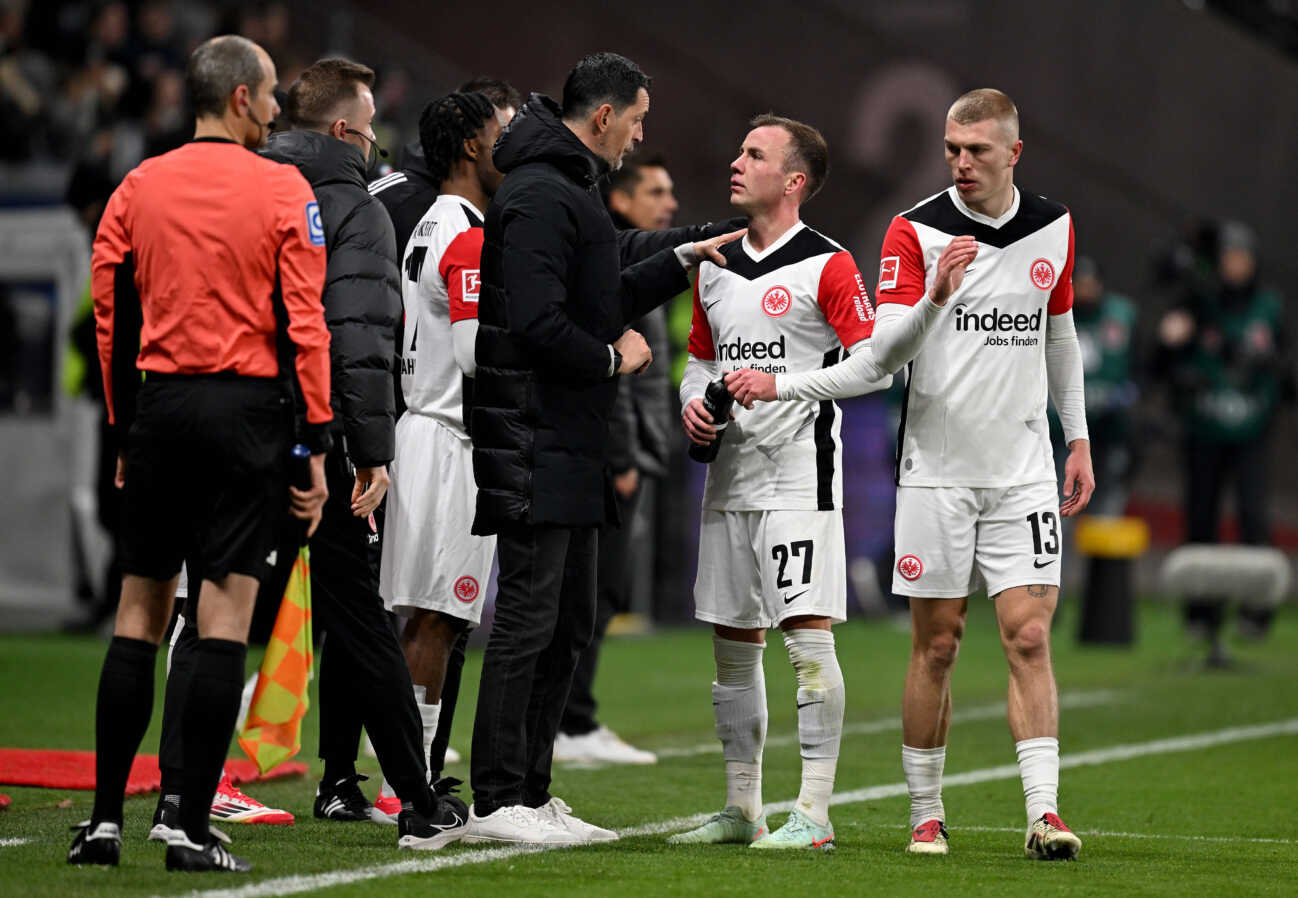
x: 978, y: 216
x: 784, y: 238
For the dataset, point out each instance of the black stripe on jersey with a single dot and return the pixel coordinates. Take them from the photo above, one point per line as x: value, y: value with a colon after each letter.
x: 475, y: 220
x: 901, y: 428
x: 804, y: 245
x: 940, y: 213
x: 825, y: 448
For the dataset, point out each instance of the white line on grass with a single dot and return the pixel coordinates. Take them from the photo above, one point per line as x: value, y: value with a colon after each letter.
x: 10, y: 843
x: 1105, y: 834
x: 1067, y: 700
x: 292, y: 885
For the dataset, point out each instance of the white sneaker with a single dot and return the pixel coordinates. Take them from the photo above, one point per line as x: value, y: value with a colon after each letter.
x: 557, y: 810
x: 516, y: 824
x: 452, y: 756
x: 599, y: 746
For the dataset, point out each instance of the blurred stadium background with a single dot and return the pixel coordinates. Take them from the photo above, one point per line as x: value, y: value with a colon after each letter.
x: 1155, y: 122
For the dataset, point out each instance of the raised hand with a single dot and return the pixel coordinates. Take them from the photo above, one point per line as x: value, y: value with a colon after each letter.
x: 951, y: 266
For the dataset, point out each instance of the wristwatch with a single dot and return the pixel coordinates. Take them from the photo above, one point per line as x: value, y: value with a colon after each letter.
x: 617, y: 361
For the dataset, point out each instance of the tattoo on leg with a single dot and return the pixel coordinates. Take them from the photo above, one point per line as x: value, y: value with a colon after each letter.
x: 1039, y: 591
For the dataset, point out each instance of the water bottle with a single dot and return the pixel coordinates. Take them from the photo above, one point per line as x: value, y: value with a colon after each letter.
x: 717, y: 401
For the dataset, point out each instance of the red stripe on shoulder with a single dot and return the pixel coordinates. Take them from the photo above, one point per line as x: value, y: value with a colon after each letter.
x: 901, y: 265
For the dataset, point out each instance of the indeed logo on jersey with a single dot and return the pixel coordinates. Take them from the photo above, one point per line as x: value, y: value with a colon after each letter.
x: 744, y: 351
x: 995, y: 322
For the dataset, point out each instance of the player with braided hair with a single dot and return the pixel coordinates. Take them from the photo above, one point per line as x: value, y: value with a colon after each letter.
x: 434, y: 571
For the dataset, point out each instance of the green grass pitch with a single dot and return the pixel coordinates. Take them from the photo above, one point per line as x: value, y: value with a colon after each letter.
x: 1166, y: 815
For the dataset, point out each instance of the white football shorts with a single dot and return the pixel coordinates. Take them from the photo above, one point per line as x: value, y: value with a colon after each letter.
x: 430, y: 559
x: 757, y: 568
x: 951, y: 540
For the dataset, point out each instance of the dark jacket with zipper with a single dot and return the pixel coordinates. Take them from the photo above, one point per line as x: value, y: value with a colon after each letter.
x: 559, y: 284
x: 362, y: 292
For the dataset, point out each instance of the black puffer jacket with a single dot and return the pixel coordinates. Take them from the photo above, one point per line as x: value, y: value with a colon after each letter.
x: 362, y: 292
x: 559, y: 283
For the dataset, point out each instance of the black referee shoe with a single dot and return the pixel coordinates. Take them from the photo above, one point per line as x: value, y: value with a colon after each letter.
x: 343, y: 801
x: 96, y: 844
x: 186, y: 857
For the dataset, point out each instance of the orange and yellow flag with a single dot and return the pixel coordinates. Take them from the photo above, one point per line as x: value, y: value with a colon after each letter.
x: 273, y: 731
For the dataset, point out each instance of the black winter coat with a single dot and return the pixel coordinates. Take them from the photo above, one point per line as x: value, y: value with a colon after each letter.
x: 559, y: 283
x: 362, y: 292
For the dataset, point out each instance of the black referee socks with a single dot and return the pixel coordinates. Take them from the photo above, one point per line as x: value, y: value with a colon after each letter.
x: 211, y: 709
x: 122, y: 714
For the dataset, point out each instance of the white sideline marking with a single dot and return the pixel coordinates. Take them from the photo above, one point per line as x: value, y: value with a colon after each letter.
x: 887, y: 724
x: 292, y: 885
x: 1104, y: 834
x: 10, y: 843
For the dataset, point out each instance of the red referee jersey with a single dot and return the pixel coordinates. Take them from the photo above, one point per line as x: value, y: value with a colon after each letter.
x: 208, y: 235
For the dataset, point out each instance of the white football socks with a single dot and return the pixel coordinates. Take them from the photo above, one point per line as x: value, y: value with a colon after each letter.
x: 1039, y: 769
x: 429, y: 714
x: 923, y: 768
x: 821, y: 700
x: 739, y: 702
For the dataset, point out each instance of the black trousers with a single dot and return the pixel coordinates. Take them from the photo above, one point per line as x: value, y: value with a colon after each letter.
x: 364, y: 680
x: 545, y: 615
x: 612, y: 596
x: 1210, y: 468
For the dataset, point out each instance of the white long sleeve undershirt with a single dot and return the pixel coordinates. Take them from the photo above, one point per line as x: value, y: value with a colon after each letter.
x: 698, y: 374
x: 856, y: 375
x: 1066, y: 376
x: 464, y: 334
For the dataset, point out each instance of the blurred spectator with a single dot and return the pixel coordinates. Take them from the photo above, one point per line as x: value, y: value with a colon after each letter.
x: 1224, y: 353
x: 1106, y: 329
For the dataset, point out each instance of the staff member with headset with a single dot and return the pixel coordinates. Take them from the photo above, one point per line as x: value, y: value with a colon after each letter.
x: 208, y: 262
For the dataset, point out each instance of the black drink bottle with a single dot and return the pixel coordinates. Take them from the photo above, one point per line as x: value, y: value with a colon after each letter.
x: 717, y: 401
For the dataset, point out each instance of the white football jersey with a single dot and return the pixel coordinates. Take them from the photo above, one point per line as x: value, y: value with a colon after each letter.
x: 974, y: 414
x: 439, y: 287
x: 792, y: 307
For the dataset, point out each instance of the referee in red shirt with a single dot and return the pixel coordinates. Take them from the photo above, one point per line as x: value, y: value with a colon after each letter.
x: 207, y: 273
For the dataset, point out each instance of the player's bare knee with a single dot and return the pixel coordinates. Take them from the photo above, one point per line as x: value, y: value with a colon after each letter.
x: 939, y: 651
x: 1029, y: 641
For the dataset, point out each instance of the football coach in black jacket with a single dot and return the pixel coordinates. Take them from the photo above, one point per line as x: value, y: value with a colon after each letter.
x: 363, y: 675
x: 558, y: 285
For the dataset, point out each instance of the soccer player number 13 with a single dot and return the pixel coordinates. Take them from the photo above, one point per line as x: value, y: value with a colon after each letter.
x: 1038, y: 520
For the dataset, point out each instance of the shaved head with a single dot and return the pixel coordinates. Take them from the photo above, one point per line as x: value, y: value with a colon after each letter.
x: 983, y: 104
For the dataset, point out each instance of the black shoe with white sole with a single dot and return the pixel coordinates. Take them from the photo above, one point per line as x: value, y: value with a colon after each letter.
x: 186, y: 857
x: 100, y: 844
x: 343, y: 801
x: 420, y: 833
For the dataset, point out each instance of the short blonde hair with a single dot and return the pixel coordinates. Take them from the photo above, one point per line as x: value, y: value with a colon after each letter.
x: 983, y: 104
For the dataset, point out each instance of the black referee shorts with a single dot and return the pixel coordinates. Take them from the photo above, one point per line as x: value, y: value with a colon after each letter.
x: 206, y: 476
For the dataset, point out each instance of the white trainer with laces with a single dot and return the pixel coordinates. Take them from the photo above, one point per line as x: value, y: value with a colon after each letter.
x: 599, y: 746
x: 516, y: 824
x: 557, y: 810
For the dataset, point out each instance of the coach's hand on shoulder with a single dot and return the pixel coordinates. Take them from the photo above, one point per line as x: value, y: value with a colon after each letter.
x: 749, y: 386
x: 371, y: 485
x: 951, y: 266
x: 308, y: 505
x: 635, y: 352
x: 710, y: 249
x: 1079, y: 479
